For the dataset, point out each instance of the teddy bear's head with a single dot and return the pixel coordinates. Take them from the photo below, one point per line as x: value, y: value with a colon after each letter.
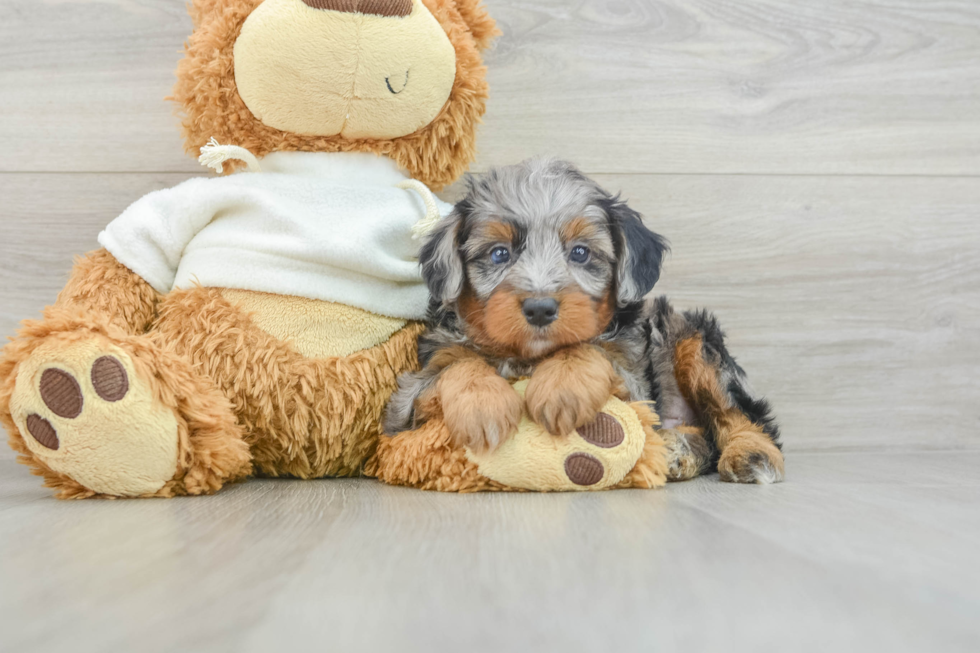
x: 402, y: 78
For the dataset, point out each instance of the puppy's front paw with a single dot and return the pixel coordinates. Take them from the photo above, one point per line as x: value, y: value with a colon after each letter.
x: 567, y: 391
x: 482, y: 412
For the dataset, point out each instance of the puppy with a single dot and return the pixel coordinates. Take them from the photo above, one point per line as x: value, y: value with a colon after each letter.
x: 539, y: 273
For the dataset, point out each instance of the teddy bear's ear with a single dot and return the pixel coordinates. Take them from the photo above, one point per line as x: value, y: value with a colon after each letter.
x: 200, y: 10
x: 482, y: 26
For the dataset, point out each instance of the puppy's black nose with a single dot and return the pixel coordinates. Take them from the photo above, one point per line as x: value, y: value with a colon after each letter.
x: 540, y: 311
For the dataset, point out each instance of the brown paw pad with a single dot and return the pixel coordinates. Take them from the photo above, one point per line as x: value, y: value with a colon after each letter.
x: 110, y: 379
x: 42, y: 431
x: 61, y: 393
x: 604, y: 432
x: 583, y: 469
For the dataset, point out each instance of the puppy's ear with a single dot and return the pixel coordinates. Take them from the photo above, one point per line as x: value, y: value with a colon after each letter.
x: 639, y: 252
x: 442, y: 264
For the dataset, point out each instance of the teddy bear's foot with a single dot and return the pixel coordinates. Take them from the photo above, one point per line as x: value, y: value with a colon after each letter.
x: 98, y: 418
x: 85, y: 413
x: 618, y: 448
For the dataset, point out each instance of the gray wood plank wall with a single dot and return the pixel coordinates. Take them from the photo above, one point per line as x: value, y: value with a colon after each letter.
x: 815, y: 165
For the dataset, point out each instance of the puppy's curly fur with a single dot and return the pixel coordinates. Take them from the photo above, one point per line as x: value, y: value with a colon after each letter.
x: 541, y: 273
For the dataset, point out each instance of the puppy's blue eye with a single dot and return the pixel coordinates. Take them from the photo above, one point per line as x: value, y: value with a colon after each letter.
x: 579, y: 254
x: 500, y: 255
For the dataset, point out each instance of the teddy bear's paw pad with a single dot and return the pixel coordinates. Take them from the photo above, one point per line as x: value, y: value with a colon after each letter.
x: 63, y: 396
x: 61, y: 393
x: 42, y: 431
x: 604, y: 432
x: 584, y: 469
x: 84, y: 412
x: 109, y: 379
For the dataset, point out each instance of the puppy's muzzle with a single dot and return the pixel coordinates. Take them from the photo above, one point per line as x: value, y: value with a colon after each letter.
x: 540, y: 311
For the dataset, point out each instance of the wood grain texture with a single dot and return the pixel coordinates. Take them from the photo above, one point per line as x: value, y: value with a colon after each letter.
x: 860, y: 552
x: 626, y: 86
x: 83, y: 85
x: 760, y: 86
x: 48, y: 220
x: 854, y: 303
x: 815, y: 167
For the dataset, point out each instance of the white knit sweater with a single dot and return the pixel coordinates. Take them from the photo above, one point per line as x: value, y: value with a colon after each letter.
x: 324, y: 226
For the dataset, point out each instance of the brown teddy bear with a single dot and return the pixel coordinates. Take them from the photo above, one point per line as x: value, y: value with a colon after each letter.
x: 255, y: 323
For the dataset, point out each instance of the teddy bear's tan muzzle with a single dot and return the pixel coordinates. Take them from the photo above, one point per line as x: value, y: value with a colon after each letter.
x: 358, y: 75
x: 374, y: 7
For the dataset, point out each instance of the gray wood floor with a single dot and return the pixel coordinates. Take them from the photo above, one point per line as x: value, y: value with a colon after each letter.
x: 857, y: 552
x: 817, y: 169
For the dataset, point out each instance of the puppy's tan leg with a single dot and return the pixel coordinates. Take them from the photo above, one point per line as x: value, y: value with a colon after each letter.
x: 747, y: 454
x: 567, y: 390
x: 480, y: 408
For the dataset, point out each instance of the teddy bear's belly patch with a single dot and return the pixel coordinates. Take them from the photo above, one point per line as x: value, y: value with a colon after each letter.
x: 316, y: 328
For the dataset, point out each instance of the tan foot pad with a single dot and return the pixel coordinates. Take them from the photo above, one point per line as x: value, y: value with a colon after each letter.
x: 597, y: 456
x: 84, y: 413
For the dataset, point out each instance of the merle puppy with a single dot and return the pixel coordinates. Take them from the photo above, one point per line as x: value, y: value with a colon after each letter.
x: 539, y: 273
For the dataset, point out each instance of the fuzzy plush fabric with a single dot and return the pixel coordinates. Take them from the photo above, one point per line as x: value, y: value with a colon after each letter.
x: 315, y: 329
x: 209, y: 447
x: 124, y: 447
x: 530, y: 460
x: 328, y: 226
x: 302, y: 417
x: 240, y: 399
x: 398, y: 88
x: 437, y: 154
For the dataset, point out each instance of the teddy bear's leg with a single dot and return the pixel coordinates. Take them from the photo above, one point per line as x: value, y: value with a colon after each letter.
x: 303, y: 417
x: 619, y: 448
x: 652, y: 468
x: 428, y: 459
x: 100, y: 413
x: 98, y: 409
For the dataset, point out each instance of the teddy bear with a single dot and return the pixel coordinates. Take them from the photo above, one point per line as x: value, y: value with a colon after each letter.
x: 255, y: 323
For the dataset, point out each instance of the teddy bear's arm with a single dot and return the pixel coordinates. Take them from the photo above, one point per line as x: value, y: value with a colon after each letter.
x: 101, y: 285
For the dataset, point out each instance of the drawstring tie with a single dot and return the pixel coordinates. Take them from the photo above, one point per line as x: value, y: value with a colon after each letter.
x: 432, y: 215
x: 214, y: 155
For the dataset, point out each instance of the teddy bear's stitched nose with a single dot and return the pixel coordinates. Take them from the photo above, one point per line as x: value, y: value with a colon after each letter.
x: 375, y: 7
